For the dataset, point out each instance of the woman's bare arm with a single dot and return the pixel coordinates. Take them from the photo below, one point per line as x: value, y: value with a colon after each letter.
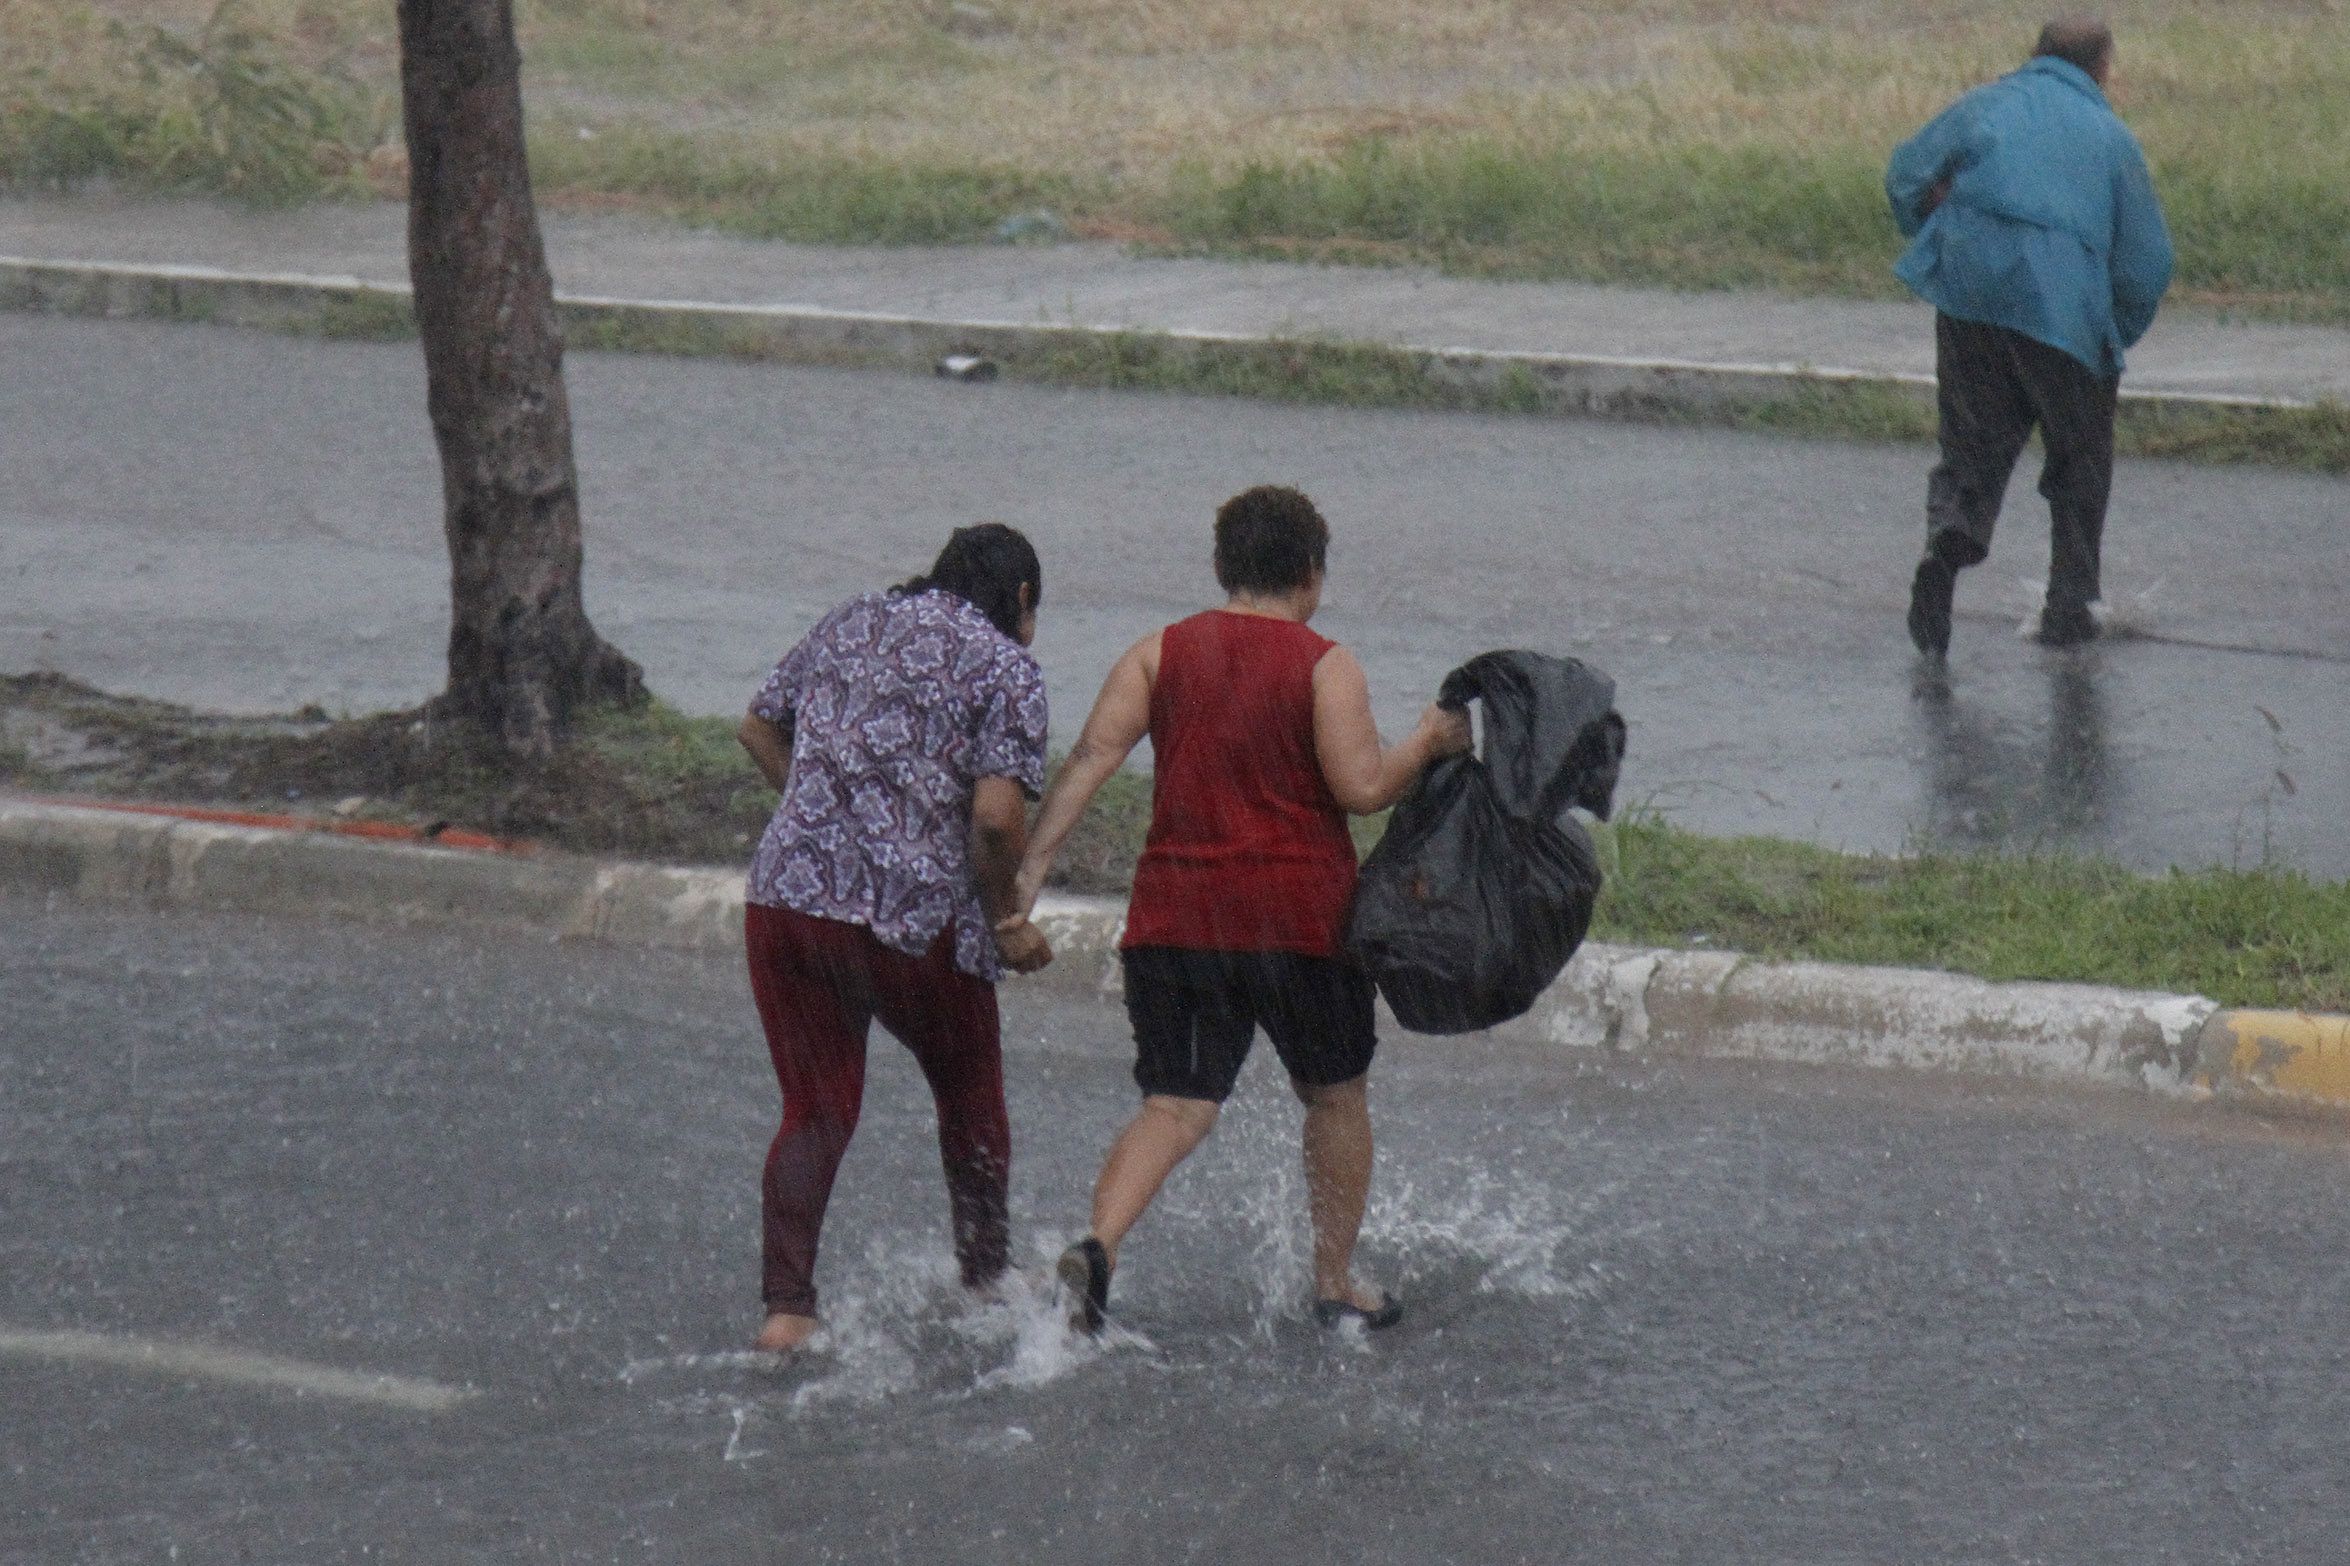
x: 1120, y: 718
x: 1365, y: 776
x: 770, y: 751
x: 999, y: 836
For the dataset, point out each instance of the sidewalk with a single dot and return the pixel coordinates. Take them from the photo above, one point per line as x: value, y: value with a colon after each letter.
x: 1101, y: 286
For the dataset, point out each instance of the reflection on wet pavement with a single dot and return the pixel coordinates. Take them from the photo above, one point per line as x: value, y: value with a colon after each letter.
x: 1990, y: 786
x: 2085, y: 750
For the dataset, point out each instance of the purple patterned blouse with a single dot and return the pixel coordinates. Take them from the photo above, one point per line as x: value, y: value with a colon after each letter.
x: 896, y: 707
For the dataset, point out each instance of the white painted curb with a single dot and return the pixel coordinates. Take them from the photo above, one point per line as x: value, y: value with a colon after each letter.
x: 1615, y: 999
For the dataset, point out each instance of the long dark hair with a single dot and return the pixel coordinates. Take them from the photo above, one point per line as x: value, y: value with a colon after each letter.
x: 985, y: 565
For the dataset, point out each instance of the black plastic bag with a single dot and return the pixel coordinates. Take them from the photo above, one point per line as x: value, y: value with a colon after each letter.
x: 1484, y: 884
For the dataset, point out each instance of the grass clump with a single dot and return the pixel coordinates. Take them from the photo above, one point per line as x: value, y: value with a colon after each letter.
x: 220, y: 109
x: 775, y: 193
x: 2316, y: 437
x: 2264, y: 937
x: 646, y: 782
x: 1696, y: 215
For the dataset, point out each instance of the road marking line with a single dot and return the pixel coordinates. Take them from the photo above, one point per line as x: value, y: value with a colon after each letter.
x: 238, y: 1365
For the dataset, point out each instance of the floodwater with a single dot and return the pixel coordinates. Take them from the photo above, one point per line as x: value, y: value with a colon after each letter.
x: 251, y: 523
x: 1658, y: 1311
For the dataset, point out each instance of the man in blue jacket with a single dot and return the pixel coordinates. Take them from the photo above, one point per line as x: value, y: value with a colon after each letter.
x: 2036, y: 237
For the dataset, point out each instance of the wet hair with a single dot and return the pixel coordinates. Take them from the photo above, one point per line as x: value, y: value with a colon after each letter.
x: 2084, y: 41
x: 1269, y: 539
x: 985, y: 565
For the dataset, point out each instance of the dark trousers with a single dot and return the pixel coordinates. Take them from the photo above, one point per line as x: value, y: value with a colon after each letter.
x: 1996, y: 386
x: 820, y: 984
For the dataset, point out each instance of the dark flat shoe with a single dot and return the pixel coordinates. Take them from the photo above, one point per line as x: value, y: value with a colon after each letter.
x: 1084, y: 1271
x: 1333, y: 1313
x: 1930, y: 595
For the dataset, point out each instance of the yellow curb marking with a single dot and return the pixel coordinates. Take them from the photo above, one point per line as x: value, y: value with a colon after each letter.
x: 236, y: 1365
x: 2304, y: 1054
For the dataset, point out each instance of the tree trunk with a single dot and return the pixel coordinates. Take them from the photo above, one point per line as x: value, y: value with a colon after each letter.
x: 522, y: 654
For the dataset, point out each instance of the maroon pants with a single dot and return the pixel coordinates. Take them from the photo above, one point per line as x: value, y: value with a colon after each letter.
x: 820, y: 985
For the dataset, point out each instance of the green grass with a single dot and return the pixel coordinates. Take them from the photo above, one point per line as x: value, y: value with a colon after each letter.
x: 1717, y: 217
x: 2265, y: 938
x: 2316, y: 437
x: 366, y: 317
x: 769, y: 193
x: 222, y: 111
x: 1693, y: 216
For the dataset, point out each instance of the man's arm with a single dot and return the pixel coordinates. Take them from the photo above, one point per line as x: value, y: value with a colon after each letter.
x: 1364, y: 775
x: 2142, y: 257
x: 1120, y: 718
x: 999, y: 837
x: 770, y: 749
x: 1917, y: 180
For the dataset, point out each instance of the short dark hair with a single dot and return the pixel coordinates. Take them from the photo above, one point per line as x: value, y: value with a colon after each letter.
x: 2084, y: 41
x: 1269, y: 539
x: 986, y: 565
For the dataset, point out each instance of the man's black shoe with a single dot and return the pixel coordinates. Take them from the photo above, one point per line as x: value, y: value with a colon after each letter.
x: 2066, y: 627
x: 1930, y: 592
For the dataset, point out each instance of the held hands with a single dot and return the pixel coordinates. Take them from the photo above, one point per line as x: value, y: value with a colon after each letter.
x: 1021, y: 944
x: 1028, y: 883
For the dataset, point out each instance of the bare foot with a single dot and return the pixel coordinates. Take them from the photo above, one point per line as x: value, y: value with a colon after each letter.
x: 784, y: 1333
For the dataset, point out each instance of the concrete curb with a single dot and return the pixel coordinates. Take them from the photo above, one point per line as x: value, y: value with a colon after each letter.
x: 1614, y: 999
x: 1564, y: 384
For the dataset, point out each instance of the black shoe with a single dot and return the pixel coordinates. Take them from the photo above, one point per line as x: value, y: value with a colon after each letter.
x: 2066, y: 627
x: 1084, y: 1272
x: 1334, y: 1313
x: 1930, y: 592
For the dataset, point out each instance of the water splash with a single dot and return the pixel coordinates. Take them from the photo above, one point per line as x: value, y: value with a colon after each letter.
x: 901, y: 1324
x: 737, y: 1360
x: 735, y: 1451
x: 1512, y: 1239
x: 1030, y: 1314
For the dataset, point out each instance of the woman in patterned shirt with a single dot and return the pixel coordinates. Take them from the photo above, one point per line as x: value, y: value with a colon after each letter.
x: 906, y: 736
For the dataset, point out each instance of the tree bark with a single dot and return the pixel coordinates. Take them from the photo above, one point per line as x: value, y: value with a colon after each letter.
x: 522, y: 655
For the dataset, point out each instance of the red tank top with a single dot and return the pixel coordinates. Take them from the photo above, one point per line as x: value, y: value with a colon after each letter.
x: 1248, y: 851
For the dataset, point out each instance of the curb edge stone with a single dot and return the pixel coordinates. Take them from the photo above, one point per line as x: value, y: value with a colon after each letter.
x: 1611, y: 999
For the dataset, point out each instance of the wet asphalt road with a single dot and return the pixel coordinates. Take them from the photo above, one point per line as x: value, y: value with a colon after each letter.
x: 1659, y: 1312
x: 250, y: 522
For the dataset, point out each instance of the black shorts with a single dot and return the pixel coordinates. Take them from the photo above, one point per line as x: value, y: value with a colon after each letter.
x: 1196, y: 1013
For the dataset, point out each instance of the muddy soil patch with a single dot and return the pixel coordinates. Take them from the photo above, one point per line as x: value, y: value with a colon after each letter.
x: 646, y: 783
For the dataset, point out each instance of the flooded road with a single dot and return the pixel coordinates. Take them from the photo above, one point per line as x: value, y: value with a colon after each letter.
x: 1658, y: 1311
x: 252, y: 523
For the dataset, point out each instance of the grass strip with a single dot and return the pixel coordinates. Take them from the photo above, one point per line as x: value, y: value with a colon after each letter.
x: 1699, y: 216
x: 654, y: 784
x: 2266, y: 937
x: 821, y: 199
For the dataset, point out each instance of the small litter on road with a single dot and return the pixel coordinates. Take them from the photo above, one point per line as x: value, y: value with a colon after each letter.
x: 966, y: 367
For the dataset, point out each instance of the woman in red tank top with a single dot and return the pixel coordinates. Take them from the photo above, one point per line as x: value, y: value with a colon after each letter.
x: 1263, y: 740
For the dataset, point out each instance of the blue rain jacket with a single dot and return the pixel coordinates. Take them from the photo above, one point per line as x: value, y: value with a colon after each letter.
x: 2050, y: 229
